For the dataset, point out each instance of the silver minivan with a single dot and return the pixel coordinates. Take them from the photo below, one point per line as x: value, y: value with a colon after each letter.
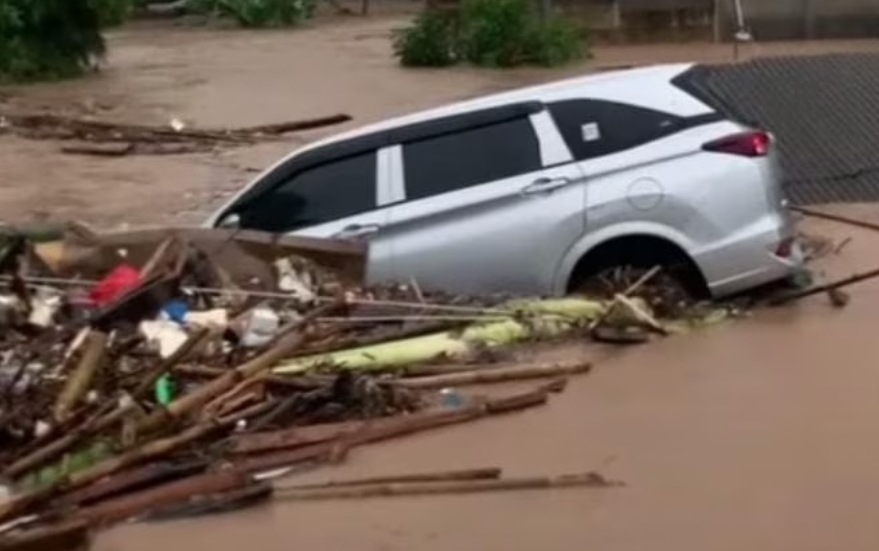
x: 542, y: 190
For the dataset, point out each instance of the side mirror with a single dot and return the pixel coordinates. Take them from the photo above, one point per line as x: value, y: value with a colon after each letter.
x: 230, y: 221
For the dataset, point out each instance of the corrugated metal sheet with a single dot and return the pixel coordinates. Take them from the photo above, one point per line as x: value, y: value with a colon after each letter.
x: 824, y: 111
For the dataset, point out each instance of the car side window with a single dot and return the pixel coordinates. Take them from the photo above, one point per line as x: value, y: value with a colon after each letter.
x: 593, y: 128
x: 337, y: 189
x: 475, y: 156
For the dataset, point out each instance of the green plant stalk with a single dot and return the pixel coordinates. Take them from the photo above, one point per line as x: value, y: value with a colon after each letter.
x: 70, y: 463
x: 533, y: 320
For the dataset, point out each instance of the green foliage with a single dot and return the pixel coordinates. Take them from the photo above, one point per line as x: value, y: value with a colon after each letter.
x: 46, y: 39
x: 554, y: 43
x: 492, y: 33
x: 258, y: 13
x: 112, y: 12
x: 429, y: 43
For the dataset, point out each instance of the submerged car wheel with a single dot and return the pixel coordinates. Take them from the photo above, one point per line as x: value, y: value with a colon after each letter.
x: 666, y: 292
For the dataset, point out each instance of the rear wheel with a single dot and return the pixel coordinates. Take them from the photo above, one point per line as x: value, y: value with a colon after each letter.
x: 663, y: 292
x: 618, y: 265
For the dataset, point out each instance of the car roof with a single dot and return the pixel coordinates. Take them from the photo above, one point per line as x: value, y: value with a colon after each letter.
x: 639, y: 86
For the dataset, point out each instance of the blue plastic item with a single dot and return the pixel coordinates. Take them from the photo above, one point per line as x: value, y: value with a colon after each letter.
x: 176, y: 310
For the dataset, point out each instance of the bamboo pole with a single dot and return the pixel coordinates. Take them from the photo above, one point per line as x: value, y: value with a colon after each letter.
x: 138, y: 503
x: 489, y: 473
x: 498, y: 375
x: 628, y: 291
x: 371, y: 431
x: 832, y: 286
x: 296, y: 437
x: 103, y: 419
x: 66, y: 536
x: 590, y: 480
x: 107, y: 467
x: 334, y: 443
x: 78, y: 382
x: 210, y: 390
x: 835, y: 218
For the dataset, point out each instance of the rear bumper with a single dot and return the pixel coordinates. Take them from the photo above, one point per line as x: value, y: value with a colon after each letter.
x: 763, y: 257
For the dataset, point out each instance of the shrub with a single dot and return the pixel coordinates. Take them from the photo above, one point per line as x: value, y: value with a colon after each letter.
x: 112, y: 12
x: 428, y: 43
x: 258, y: 13
x: 494, y: 33
x: 554, y: 43
x: 46, y: 39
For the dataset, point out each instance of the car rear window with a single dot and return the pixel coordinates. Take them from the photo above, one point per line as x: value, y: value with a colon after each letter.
x: 593, y: 128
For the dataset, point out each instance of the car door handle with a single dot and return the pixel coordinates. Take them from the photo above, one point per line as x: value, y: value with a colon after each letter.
x: 355, y: 231
x: 545, y: 185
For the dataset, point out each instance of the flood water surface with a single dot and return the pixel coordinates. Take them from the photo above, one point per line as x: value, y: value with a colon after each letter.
x: 757, y: 434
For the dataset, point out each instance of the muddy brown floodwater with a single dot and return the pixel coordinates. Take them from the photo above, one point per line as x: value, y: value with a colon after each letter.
x: 758, y: 434
x: 228, y: 78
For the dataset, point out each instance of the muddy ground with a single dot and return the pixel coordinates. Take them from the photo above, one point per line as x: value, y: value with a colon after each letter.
x: 759, y: 434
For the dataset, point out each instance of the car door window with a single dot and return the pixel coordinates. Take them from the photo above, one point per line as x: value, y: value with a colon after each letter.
x: 338, y: 189
x: 475, y: 156
x: 593, y: 128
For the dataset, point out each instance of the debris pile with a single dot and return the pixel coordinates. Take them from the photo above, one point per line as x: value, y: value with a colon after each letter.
x: 92, y: 137
x: 169, y: 372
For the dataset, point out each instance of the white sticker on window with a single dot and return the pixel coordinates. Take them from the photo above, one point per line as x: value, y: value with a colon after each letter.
x: 590, y: 132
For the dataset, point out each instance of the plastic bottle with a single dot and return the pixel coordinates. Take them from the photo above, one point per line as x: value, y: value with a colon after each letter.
x: 450, y: 398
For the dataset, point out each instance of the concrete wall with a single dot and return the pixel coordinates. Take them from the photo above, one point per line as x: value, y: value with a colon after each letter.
x: 795, y: 19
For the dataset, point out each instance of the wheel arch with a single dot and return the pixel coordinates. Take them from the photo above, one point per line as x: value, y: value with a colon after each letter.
x: 644, y: 241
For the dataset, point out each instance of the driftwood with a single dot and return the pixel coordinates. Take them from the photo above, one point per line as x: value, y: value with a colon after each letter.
x: 835, y: 218
x: 105, y: 139
x: 99, y: 150
x: 58, y: 127
x: 827, y: 287
x: 628, y: 291
x: 591, y: 479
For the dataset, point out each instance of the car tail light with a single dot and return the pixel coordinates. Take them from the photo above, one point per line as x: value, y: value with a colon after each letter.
x: 747, y: 144
x: 785, y: 247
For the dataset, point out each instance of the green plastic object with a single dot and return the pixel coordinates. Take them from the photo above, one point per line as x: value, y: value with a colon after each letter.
x: 164, y: 390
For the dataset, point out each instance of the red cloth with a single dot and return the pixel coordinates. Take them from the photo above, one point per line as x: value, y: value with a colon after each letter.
x: 120, y: 279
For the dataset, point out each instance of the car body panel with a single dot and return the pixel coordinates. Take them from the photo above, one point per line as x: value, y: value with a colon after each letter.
x: 727, y: 212
x: 484, y: 229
